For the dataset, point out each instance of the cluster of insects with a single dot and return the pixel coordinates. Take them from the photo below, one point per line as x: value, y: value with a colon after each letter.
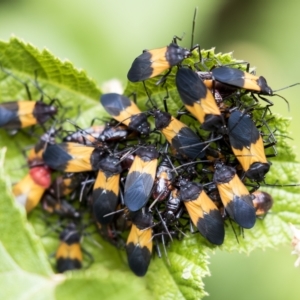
x: 145, y: 176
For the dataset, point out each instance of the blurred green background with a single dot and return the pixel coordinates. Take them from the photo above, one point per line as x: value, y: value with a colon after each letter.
x: 103, y: 38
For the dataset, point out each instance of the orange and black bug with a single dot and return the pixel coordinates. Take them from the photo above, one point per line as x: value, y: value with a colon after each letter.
x: 140, y: 178
x: 239, y: 79
x: 262, y: 202
x: 247, y: 145
x: 179, y: 135
x: 29, y: 191
x: 69, y: 252
x: 224, y: 78
x: 71, y: 157
x: 125, y: 111
x: 198, y: 99
x: 235, y: 197
x: 106, y: 189
x: 15, y: 115
x: 203, y: 212
x: 153, y: 62
x: 139, y: 242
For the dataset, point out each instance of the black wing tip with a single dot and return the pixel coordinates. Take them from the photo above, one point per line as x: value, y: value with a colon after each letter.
x: 138, y: 259
x: 212, y: 227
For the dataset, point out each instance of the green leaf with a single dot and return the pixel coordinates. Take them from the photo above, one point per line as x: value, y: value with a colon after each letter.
x: 177, y: 276
x: 102, y: 283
